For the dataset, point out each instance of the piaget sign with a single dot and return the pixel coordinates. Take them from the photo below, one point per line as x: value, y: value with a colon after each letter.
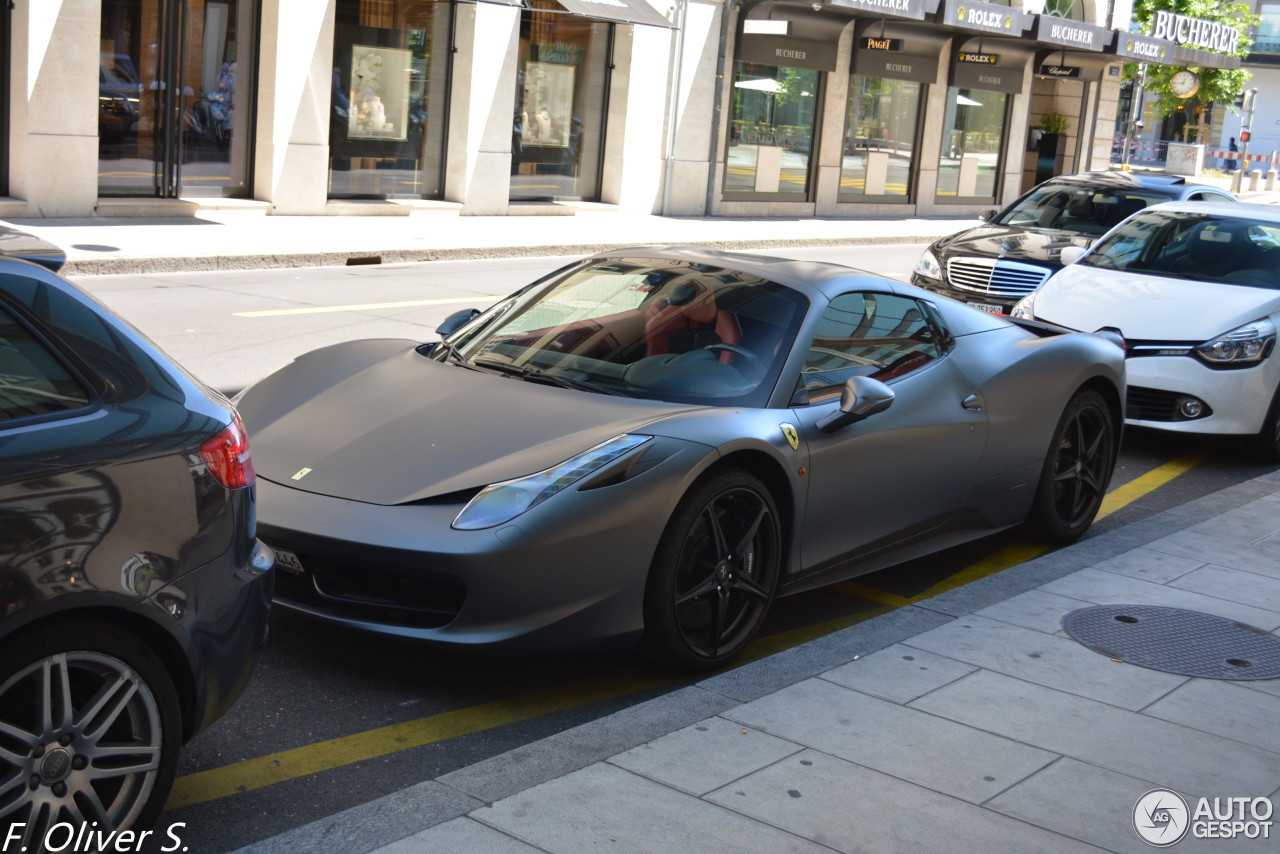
x: 1196, y: 32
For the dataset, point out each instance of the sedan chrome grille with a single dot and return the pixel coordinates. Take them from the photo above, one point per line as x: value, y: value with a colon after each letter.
x: 995, y: 277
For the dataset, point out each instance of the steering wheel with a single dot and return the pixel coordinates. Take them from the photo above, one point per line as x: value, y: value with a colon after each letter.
x: 735, y: 348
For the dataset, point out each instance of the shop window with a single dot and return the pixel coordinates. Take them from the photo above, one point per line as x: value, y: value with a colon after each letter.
x: 390, y: 76
x: 879, y: 137
x: 771, y: 130
x: 557, y: 130
x: 973, y: 137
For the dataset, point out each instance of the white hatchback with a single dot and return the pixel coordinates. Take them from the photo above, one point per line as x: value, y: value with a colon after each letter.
x: 1194, y: 289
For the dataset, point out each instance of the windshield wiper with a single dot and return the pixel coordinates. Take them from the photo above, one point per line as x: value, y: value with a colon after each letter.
x: 529, y: 374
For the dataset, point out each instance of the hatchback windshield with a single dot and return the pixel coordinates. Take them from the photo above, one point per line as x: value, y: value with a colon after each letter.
x: 1077, y: 208
x: 1203, y: 247
x: 649, y: 328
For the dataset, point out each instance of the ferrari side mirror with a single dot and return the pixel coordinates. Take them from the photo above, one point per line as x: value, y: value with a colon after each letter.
x: 861, y: 398
x: 456, y: 321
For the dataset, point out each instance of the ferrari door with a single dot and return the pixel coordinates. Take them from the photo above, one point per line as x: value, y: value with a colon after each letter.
x: 899, y: 473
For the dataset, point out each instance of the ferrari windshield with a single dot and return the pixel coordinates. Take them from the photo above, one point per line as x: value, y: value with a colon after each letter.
x: 1077, y: 208
x: 1203, y: 247
x: 644, y: 327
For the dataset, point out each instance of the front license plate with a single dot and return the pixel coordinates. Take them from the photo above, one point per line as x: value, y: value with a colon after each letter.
x: 988, y: 307
x: 288, y: 560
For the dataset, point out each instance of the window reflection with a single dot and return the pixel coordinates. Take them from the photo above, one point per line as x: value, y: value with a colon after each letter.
x: 771, y: 132
x: 879, y: 137
x: 973, y: 136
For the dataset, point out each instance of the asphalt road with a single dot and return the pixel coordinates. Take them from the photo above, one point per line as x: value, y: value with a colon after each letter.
x: 334, y: 718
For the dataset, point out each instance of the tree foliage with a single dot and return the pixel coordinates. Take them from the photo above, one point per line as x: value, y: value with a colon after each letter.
x: 1217, y: 85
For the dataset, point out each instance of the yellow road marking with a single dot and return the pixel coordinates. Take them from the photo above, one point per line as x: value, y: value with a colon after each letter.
x: 368, y: 306
x: 262, y: 771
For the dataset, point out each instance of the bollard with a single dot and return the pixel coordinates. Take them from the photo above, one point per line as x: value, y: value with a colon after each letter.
x: 1271, y: 180
x: 1235, y: 180
x: 1253, y: 180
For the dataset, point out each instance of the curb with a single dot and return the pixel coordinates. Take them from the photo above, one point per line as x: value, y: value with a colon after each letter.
x: 208, y: 263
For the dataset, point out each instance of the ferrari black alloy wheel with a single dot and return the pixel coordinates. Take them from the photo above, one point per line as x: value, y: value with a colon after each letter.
x: 1076, y: 471
x: 714, y: 572
x: 89, y: 732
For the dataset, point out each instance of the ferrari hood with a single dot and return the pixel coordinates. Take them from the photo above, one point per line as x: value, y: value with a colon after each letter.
x: 406, y: 427
x: 1015, y: 244
x: 1150, y: 308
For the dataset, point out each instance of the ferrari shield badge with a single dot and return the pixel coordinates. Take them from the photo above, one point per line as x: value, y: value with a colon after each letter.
x: 301, y: 473
x: 793, y: 438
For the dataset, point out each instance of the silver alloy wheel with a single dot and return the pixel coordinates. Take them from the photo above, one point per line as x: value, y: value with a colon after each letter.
x: 80, y: 741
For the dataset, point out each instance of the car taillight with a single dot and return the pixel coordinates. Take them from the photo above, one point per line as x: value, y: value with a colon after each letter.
x: 227, y: 456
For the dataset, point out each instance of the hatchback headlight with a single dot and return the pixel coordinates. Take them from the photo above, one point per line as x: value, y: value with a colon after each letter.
x: 502, y: 502
x: 928, y: 266
x: 1241, y: 347
x: 1025, y: 308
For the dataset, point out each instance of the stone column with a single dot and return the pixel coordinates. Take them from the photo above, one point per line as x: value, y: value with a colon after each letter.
x: 53, y: 114
x: 295, y: 84
x: 482, y: 103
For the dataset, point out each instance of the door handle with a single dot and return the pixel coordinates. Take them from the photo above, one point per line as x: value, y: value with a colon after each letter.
x: 973, y: 403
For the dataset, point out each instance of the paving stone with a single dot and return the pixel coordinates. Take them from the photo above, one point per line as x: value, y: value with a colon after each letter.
x: 1104, y: 588
x: 1219, y: 550
x: 1262, y: 591
x: 459, y: 836
x: 1046, y: 660
x: 1126, y: 742
x: 851, y: 808
x: 957, y: 760
x: 996, y: 588
x: 1035, y: 609
x: 705, y: 756
x: 1241, y: 529
x: 1226, y: 708
x: 602, y: 807
x: 1261, y: 509
x: 1052, y: 799
x: 898, y: 673
x: 1150, y: 565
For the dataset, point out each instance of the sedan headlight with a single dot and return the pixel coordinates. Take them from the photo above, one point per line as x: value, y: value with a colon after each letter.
x: 928, y: 266
x: 1025, y: 308
x: 1241, y: 347
x: 502, y: 502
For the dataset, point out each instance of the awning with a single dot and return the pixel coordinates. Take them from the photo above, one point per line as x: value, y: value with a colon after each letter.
x: 623, y: 11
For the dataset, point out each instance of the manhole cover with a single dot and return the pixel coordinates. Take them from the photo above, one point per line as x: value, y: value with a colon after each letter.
x: 1176, y: 641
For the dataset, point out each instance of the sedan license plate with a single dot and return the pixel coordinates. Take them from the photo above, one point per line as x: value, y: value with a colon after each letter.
x: 288, y: 560
x: 988, y: 307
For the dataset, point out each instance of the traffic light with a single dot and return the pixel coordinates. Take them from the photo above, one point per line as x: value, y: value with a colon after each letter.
x: 1244, y: 135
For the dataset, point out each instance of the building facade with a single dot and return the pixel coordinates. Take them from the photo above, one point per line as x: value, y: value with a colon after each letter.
x: 509, y: 107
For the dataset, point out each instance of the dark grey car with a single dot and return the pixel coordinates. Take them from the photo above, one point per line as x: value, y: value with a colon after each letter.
x: 654, y: 443
x: 133, y: 592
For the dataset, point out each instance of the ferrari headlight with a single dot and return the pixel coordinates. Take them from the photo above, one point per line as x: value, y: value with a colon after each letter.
x: 928, y: 266
x: 502, y: 502
x: 1241, y: 347
x: 1025, y: 308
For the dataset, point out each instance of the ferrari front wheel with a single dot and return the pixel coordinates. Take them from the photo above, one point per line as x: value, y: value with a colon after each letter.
x: 1076, y: 470
x: 714, y: 572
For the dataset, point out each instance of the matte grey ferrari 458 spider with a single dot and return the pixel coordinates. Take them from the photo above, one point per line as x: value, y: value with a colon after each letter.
x: 652, y: 444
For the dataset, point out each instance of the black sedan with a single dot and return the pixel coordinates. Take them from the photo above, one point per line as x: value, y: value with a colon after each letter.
x: 133, y: 591
x: 651, y: 444
x: 994, y: 265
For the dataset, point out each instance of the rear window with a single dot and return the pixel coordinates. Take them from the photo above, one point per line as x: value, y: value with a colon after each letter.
x: 33, y: 382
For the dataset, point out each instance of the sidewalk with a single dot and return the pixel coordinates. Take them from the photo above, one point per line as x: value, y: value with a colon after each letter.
x: 241, y: 240
x: 969, y: 722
